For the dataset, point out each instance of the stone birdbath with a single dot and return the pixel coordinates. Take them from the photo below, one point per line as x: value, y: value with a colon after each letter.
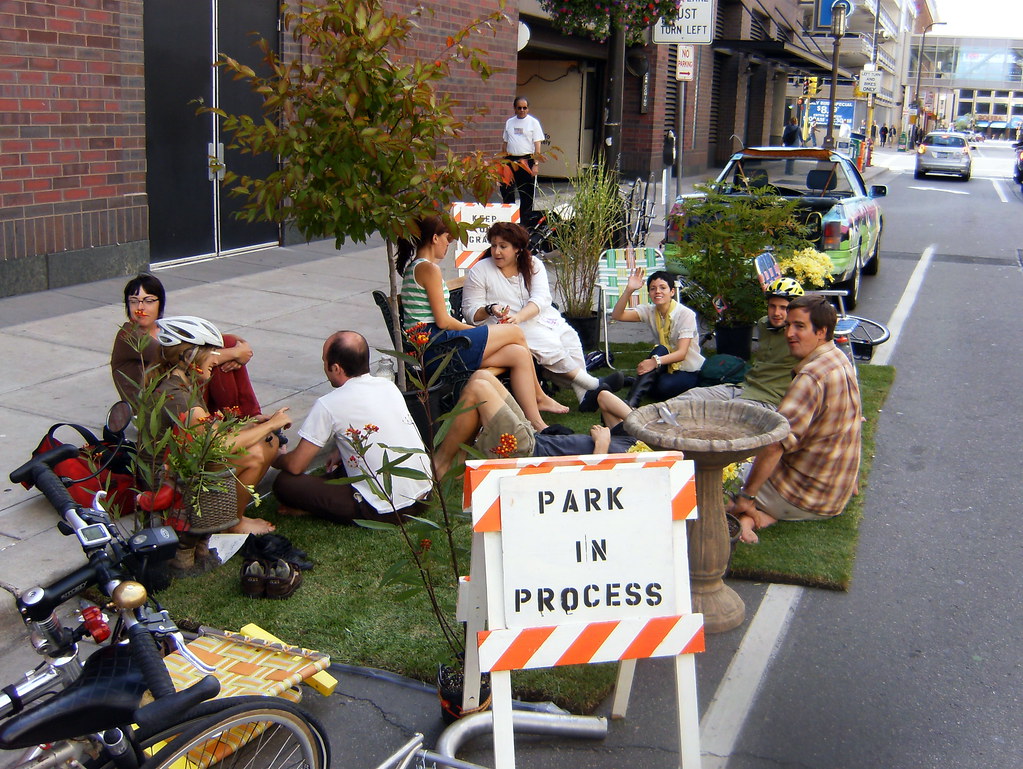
x: 713, y: 434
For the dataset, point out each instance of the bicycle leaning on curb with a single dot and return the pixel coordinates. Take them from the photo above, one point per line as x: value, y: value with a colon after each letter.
x: 70, y: 713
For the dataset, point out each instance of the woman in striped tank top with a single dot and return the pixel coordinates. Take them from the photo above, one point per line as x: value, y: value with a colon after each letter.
x: 425, y: 298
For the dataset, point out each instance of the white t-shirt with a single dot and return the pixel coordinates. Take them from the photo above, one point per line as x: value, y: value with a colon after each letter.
x: 369, y: 400
x: 521, y: 135
x: 683, y: 326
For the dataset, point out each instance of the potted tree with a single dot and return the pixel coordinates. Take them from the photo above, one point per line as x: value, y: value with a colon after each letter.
x: 588, y: 226
x: 719, y: 237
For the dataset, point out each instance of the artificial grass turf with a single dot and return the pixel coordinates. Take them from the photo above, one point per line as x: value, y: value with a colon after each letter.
x: 342, y: 609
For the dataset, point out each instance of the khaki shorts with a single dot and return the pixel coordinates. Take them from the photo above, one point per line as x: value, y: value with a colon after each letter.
x: 775, y: 505
x: 509, y: 420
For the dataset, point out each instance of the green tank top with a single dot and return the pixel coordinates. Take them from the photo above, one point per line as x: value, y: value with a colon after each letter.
x: 414, y: 298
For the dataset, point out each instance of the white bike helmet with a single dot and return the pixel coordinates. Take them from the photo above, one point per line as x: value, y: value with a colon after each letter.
x: 188, y: 329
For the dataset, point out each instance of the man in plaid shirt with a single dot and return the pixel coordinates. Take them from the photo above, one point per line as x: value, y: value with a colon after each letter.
x: 811, y: 473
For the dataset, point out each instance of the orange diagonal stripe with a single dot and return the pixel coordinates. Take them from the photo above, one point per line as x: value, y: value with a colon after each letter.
x: 696, y: 644
x: 490, y: 520
x: 523, y: 648
x: 684, y: 502
x: 649, y: 637
x: 586, y: 645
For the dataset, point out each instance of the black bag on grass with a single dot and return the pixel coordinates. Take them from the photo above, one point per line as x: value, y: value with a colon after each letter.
x: 723, y: 369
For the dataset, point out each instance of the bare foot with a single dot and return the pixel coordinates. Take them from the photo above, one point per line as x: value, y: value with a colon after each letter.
x: 539, y: 426
x: 551, y: 406
x: 747, y: 534
x: 251, y: 526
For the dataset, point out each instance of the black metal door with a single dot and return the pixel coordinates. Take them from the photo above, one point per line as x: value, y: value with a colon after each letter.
x: 188, y: 215
x: 239, y: 22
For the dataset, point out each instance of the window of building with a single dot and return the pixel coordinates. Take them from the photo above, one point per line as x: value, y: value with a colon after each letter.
x: 1001, y: 94
x: 966, y: 93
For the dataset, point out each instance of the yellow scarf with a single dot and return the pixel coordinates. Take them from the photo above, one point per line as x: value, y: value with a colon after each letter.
x: 663, y: 323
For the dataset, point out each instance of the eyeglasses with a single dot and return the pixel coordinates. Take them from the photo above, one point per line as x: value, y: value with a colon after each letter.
x: 148, y: 301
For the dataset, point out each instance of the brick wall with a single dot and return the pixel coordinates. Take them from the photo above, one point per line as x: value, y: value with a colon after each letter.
x: 494, y: 97
x: 72, y: 145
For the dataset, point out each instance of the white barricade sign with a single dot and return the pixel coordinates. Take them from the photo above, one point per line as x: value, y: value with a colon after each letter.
x: 468, y: 252
x: 579, y: 560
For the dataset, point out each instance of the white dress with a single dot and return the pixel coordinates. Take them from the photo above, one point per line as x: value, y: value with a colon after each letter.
x: 553, y: 343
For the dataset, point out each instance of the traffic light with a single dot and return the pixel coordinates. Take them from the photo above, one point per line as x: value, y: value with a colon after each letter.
x: 811, y: 86
x: 806, y: 86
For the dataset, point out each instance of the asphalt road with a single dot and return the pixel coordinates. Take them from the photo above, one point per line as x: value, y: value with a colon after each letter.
x: 918, y: 665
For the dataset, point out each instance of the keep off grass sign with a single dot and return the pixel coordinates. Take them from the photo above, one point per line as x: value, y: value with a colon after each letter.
x: 579, y: 560
x: 469, y: 251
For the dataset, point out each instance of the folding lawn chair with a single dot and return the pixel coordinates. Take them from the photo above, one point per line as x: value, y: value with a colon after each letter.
x: 613, y: 270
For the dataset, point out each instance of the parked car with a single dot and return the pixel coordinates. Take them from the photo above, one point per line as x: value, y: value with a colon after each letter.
x: 944, y: 152
x: 1017, y: 166
x: 845, y: 218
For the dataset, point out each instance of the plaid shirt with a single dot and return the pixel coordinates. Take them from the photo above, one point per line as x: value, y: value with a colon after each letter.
x: 818, y: 469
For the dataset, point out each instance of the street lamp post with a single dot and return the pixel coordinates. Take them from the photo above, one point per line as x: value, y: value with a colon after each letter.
x: 839, y: 13
x: 919, y: 70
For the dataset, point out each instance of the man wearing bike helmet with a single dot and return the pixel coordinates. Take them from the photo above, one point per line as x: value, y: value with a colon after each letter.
x: 769, y: 376
x: 810, y: 474
x: 375, y: 409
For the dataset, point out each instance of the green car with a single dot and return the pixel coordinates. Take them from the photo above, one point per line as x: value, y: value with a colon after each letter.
x: 844, y: 216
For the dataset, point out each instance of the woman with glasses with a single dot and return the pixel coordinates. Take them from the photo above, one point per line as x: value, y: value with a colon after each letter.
x: 136, y: 350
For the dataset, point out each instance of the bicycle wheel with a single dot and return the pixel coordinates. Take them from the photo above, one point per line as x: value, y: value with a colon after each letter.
x: 867, y: 335
x: 271, y: 734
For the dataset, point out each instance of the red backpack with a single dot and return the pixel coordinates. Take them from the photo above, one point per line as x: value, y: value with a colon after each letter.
x: 100, y: 466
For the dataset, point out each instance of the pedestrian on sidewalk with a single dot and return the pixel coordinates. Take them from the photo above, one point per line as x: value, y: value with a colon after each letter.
x: 523, y: 136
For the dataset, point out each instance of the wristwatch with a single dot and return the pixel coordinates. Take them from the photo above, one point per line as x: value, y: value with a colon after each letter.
x: 490, y: 309
x: 657, y: 360
x: 750, y: 497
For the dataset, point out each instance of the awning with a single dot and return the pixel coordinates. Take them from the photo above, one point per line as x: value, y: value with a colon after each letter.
x: 981, y: 124
x: 814, y: 62
x: 1016, y: 122
x: 998, y: 124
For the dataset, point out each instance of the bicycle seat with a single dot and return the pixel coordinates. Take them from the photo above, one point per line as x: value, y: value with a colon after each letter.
x: 106, y: 695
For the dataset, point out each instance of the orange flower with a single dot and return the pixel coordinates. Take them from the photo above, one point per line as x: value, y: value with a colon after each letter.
x: 506, y: 446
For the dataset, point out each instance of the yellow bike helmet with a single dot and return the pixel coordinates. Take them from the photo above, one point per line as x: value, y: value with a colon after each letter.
x: 786, y: 288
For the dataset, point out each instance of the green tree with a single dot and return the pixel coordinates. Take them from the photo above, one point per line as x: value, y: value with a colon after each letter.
x: 363, y: 128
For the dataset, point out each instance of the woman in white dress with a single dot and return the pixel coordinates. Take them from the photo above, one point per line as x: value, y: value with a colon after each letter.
x: 510, y: 286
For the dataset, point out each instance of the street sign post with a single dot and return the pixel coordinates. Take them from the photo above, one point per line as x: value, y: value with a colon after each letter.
x: 685, y: 62
x: 870, y: 82
x: 694, y: 24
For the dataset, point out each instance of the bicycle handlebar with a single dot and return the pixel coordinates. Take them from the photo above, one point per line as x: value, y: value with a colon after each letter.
x: 38, y: 472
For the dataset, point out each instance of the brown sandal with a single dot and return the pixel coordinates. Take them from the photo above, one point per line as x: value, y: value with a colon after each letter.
x: 282, y: 580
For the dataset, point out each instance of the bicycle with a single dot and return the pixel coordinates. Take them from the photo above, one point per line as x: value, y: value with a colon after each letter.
x: 639, y: 212
x: 92, y: 714
x: 855, y: 335
x: 72, y: 713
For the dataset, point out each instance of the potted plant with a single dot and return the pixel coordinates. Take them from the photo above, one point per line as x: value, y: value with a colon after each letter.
x: 588, y: 227
x: 719, y: 236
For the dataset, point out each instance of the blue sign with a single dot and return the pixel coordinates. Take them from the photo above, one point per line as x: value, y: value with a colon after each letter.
x: 818, y: 110
x: 822, y: 11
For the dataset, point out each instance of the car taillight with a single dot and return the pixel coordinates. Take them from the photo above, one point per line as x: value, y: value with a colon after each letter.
x: 832, y: 236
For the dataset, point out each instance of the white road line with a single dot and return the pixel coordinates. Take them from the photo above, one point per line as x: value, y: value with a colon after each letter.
x: 999, y: 190
x: 733, y: 700
x: 884, y: 353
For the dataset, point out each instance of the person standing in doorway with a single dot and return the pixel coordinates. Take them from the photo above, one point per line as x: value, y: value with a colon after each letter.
x: 523, y: 136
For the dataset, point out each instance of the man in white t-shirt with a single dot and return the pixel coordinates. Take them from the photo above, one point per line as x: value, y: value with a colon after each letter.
x: 360, y: 408
x: 523, y: 136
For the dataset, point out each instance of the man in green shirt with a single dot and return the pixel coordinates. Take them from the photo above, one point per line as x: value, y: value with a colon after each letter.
x: 769, y: 377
